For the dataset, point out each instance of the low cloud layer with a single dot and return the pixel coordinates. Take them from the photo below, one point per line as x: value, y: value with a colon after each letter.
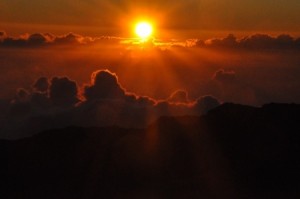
x: 59, y: 102
x: 50, y: 40
x: 253, y: 42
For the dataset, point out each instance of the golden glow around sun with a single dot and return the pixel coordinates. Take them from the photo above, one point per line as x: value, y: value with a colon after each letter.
x: 144, y: 30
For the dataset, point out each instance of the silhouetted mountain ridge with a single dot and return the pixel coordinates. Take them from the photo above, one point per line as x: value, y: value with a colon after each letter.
x: 234, y: 151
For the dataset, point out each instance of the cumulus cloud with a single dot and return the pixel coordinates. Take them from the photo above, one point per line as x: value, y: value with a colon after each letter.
x: 228, y: 42
x: 41, y: 84
x: 63, y: 91
x: 40, y: 101
x: 104, y: 85
x: 206, y: 103
x: 20, y: 105
x: 55, y: 104
x: 70, y: 38
x: 233, y: 88
x: 179, y: 96
x: 263, y: 41
x: 22, y: 96
x: 37, y: 39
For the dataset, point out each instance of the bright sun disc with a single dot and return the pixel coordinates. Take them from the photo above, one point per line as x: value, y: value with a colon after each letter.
x: 143, y: 30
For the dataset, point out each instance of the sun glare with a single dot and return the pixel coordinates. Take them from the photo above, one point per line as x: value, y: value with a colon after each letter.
x: 144, y: 30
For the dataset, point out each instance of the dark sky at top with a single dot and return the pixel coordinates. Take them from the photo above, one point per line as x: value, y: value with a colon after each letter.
x: 115, y: 17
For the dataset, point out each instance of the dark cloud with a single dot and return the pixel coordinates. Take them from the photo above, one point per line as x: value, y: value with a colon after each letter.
x: 37, y: 39
x: 70, y: 38
x: 263, y: 41
x: 106, y: 103
x: 22, y: 96
x: 14, y: 42
x: 206, y: 103
x: 63, y: 92
x: 105, y: 85
x: 41, y: 84
x: 20, y: 105
x: 259, y: 41
x: 26, y: 41
x: 179, y: 96
x: 43, y: 40
x: 233, y: 88
x: 49, y: 40
x: 228, y: 42
x: 231, y: 42
x: 254, y: 42
x: 40, y: 100
x: 164, y: 108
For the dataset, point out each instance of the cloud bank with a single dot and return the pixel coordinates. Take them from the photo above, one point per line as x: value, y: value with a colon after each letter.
x: 50, y: 40
x: 60, y: 102
x: 253, y: 42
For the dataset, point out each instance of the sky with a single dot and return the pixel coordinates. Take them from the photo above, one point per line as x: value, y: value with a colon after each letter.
x: 63, y: 61
x: 176, y: 19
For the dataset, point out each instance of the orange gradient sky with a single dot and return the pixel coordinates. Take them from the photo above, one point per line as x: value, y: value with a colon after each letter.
x: 252, y: 45
x: 174, y: 19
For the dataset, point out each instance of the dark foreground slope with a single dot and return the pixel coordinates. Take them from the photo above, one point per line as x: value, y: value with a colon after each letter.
x: 232, y: 152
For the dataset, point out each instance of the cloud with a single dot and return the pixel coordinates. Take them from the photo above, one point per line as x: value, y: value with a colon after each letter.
x: 179, y: 96
x: 41, y: 84
x: 37, y: 39
x: 254, y: 42
x: 228, y: 42
x: 13, y: 42
x: 60, y: 92
x: 20, y: 105
x: 26, y: 41
x: 206, y: 103
x: 105, y: 85
x: 22, y: 96
x: 41, y: 101
x: 56, y: 104
x: 231, y: 42
x: 68, y: 39
x: 233, y: 88
x: 44, y: 40
x: 181, y: 65
x: 63, y: 91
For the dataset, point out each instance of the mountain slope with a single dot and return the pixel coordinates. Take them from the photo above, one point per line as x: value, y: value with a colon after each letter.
x: 234, y: 151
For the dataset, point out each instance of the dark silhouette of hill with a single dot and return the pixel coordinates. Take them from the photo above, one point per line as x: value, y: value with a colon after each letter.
x: 234, y: 151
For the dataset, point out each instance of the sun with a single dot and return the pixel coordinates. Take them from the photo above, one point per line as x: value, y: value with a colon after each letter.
x: 144, y: 30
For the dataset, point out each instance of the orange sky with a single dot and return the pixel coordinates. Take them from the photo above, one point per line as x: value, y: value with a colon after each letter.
x: 176, y: 59
x: 180, y: 19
